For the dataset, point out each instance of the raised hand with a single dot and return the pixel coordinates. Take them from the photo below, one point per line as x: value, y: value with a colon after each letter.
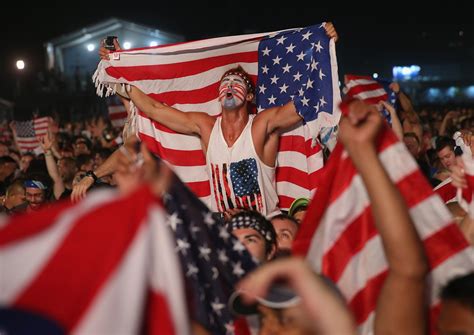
x: 104, y: 53
x: 361, y: 125
x: 331, y: 31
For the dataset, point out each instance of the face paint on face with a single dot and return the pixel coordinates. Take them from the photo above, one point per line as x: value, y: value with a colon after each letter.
x: 232, y: 92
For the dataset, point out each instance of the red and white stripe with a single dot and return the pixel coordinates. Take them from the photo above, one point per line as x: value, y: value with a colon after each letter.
x: 102, y: 266
x: 364, y: 88
x: 446, y: 190
x: 187, y: 76
x: 339, y: 237
x: 40, y: 127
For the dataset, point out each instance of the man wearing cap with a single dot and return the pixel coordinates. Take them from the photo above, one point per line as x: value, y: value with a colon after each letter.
x: 298, y: 209
x: 256, y: 233
x: 35, y: 192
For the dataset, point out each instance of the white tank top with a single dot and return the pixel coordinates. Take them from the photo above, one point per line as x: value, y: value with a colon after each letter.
x: 239, y: 179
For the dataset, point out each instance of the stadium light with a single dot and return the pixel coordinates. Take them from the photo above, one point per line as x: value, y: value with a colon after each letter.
x: 153, y: 43
x: 375, y: 75
x: 90, y: 47
x: 20, y: 64
x: 127, y: 45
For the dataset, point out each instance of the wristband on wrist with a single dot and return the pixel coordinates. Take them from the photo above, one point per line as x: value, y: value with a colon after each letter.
x: 91, y: 174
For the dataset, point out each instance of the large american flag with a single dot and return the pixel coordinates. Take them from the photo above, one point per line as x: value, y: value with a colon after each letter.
x: 27, y: 133
x: 212, y: 259
x: 339, y: 238
x: 370, y: 90
x: 106, y: 265
x: 295, y: 63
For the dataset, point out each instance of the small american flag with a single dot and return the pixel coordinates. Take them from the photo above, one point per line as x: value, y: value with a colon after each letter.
x: 370, y: 90
x: 295, y: 64
x: 27, y: 133
x: 339, y: 238
x: 212, y: 259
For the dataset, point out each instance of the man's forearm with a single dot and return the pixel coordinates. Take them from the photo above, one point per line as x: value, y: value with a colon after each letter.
x: 108, y: 166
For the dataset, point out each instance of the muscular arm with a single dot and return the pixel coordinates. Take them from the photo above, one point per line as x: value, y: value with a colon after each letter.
x: 400, y: 304
x: 279, y: 118
x: 191, y: 123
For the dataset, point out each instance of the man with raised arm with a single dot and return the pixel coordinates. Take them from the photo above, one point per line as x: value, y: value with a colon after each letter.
x: 240, y: 147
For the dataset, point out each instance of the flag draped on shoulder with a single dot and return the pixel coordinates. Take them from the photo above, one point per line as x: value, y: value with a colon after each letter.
x: 105, y: 265
x: 340, y: 240
x: 291, y: 64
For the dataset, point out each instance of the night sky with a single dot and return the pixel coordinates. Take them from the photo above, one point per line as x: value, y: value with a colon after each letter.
x: 363, y: 33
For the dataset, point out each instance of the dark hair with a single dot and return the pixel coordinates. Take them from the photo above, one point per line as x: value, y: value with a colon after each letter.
x: 444, y: 141
x: 284, y: 216
x: 460, y: 289
x: 239, y: 71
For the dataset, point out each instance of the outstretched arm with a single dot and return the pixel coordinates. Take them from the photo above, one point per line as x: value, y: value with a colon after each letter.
x: 190, y: 123
x: 400, y: 305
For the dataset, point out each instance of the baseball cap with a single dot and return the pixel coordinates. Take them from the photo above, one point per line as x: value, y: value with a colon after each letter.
x: 297, y: 203
x: 279, y: 296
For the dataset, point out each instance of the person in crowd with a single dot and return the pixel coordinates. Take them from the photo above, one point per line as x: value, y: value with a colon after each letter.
x: 445, y: 150
x: 82, y: 145
x: 25, y: 161
x: 62, y: 172
x: 457, y: 306
x: 256, y: 233
x: 409, y: 119
x: 8, y: 167
x: 400, y: 303
x: 4, y: 149
x: 236, y: 140
x: 413, y: 145
x: 286, y: 228
x: 35, y: 194
x: 15, y: 199
x: 298, y: 209
x: 302, y: 303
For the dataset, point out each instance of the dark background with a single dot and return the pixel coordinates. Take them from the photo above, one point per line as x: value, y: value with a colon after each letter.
x: 404, y: 33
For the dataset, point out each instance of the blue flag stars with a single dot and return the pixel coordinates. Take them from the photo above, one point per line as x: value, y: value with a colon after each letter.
x: 296, y: 65
x: 212, y: 259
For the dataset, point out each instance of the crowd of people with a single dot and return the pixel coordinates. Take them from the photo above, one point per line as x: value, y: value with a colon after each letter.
x: 75, y: 159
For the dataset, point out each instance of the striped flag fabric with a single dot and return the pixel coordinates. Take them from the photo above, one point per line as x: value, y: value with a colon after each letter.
x: 27, y: 133
x: 105, y: 265
x: 339, y: 238
x: 117, y: 111
x: 370, y: 90
x: 296, y: 63
x: 446, y: 190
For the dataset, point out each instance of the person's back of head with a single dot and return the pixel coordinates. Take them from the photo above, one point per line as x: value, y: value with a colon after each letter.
x: 457, y: 306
